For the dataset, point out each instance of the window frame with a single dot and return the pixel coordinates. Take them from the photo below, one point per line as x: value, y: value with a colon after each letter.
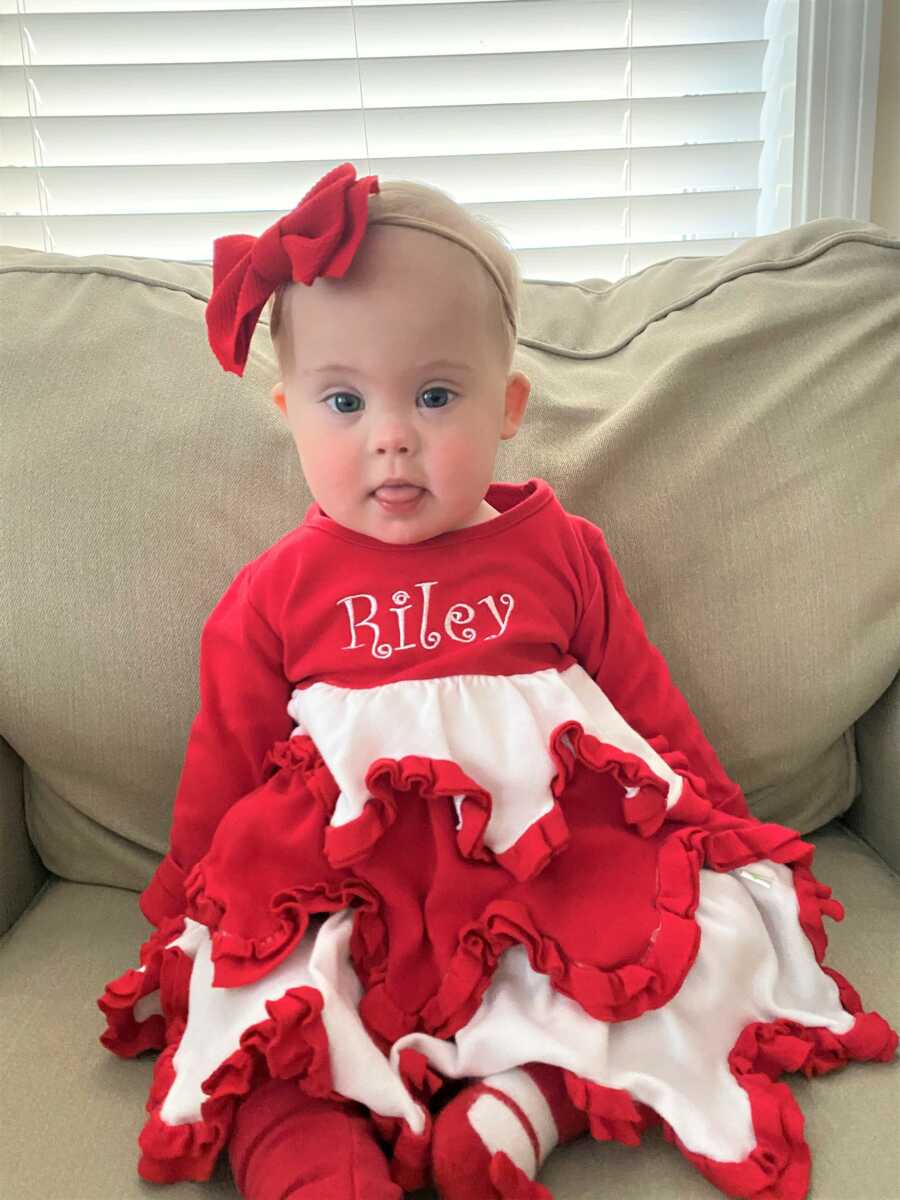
x: 836, y: 105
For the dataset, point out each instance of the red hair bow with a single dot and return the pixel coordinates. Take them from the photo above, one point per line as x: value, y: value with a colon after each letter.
x: 318, y: 237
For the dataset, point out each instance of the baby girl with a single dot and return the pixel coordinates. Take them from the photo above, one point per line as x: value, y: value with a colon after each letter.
x: 454, y: 875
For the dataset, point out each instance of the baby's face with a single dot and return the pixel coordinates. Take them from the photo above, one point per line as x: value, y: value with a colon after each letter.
x: 368, y: 400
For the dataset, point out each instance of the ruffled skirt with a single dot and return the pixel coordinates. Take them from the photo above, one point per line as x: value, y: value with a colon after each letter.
x: 667, y: 956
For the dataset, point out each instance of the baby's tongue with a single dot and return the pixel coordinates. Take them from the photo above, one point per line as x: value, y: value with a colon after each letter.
x: 398, y: 492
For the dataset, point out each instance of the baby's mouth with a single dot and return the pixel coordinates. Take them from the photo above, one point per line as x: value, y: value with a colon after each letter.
x: 396, y: 491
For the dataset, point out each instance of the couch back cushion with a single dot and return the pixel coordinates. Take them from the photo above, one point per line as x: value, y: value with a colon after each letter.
x: 729, y: 422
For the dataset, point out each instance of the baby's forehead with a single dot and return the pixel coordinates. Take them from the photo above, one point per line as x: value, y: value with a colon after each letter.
x: 410, y: 287
x: 409, y: 277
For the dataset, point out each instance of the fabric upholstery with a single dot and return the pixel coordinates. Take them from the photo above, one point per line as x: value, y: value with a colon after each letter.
x: 722, y: 419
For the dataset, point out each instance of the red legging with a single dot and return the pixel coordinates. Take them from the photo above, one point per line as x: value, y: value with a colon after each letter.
x: 287, y: 1145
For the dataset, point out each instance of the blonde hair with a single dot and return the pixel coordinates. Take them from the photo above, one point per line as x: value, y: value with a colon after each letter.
x: 406, y: 197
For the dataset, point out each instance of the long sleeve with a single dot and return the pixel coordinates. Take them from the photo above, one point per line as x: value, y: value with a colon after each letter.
x: 242, y: 713
x: 611, y: 644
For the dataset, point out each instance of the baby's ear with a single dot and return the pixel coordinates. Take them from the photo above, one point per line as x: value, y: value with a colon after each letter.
x: 279, y: 397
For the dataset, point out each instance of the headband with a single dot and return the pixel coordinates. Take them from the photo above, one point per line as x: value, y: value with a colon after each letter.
x: 318, y: 237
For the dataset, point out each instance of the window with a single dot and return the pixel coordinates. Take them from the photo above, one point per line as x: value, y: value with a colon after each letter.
x: 599, y: 135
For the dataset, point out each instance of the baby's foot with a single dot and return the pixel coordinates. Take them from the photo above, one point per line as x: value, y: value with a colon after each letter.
x: 491, y: 1139
x: 288, y: 1145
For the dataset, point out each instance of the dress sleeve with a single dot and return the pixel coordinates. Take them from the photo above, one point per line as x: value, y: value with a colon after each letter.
x: 612, y: 646
x: 242, y: 713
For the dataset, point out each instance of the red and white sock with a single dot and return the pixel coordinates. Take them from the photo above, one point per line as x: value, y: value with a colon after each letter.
x: 491, y: 1140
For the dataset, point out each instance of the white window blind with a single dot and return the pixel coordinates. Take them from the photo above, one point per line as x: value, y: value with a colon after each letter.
x: 599, y: 135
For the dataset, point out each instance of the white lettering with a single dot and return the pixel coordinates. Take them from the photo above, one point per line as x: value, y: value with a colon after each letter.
x: 458, y: 614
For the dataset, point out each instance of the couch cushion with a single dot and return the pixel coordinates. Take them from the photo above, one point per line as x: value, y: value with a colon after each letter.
x: 875, y: 815
x: 71, y: 1112
x: 723, y: 419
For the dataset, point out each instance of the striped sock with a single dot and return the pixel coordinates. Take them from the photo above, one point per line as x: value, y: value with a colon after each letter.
x: 493, y: 1137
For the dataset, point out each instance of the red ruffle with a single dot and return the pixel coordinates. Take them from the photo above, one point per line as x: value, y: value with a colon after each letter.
x: 778, y: 1046
x: 296, y: 751
x: 410, y: 1162
x: 238, y: 960
x: 255, y: 926
x: 778, y: 1166
x: 188, y: 1151
x: 613, y: 1114
x: 609, y: 994
x: 291, y: 1043
x: 533, y: 849
x: 300, y: 751
x: 621, y: 993
x: 646, y: 810
x: 164, y: 896
x: 281, y: 917
x: 442, y: 779
x: 124, y: 1035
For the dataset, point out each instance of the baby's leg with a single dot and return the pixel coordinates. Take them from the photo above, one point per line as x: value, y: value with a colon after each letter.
x: 287, y: 1145
x: 502, y: 1127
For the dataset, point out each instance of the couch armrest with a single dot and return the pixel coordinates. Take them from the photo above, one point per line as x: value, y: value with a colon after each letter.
x: 875, y: 814
x: 21, y: 871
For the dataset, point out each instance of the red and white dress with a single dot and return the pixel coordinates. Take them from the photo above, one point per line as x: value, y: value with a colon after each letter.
x: 443, y: 812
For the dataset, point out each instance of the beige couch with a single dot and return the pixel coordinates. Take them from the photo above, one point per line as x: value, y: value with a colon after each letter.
x: 730, y: 422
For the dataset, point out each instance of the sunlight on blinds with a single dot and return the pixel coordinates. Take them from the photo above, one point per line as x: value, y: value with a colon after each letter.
x: 599, y: 135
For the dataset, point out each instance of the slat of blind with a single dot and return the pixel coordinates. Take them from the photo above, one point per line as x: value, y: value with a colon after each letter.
x: 685, y: 17
x: 690, y: 21
x: 401, y: 82
x: 116, y: 6
x: 420, y: 31
x: 492, y: 129
x: 575, y: 174
x: 380, y: 30
x: 537, y: 224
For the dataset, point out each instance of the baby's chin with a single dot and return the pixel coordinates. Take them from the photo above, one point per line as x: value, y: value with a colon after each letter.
x: 421, y: 521
x: 402, y: 526
x: 405, y: 525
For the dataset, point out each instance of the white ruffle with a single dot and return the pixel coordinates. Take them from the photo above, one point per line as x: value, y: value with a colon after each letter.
x: 497, y: 728
x: 755, y: 963
x: 218, y: 1016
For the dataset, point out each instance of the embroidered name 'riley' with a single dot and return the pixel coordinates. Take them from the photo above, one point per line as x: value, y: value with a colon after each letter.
x: 458, y: 614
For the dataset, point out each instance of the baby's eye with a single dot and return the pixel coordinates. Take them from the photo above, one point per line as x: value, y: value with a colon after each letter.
x: 340, y: 396
x: 353, y: 396
x: 438, y: 389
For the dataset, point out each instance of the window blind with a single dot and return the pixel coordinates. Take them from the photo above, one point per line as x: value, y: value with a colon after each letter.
x: 599, y: 135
